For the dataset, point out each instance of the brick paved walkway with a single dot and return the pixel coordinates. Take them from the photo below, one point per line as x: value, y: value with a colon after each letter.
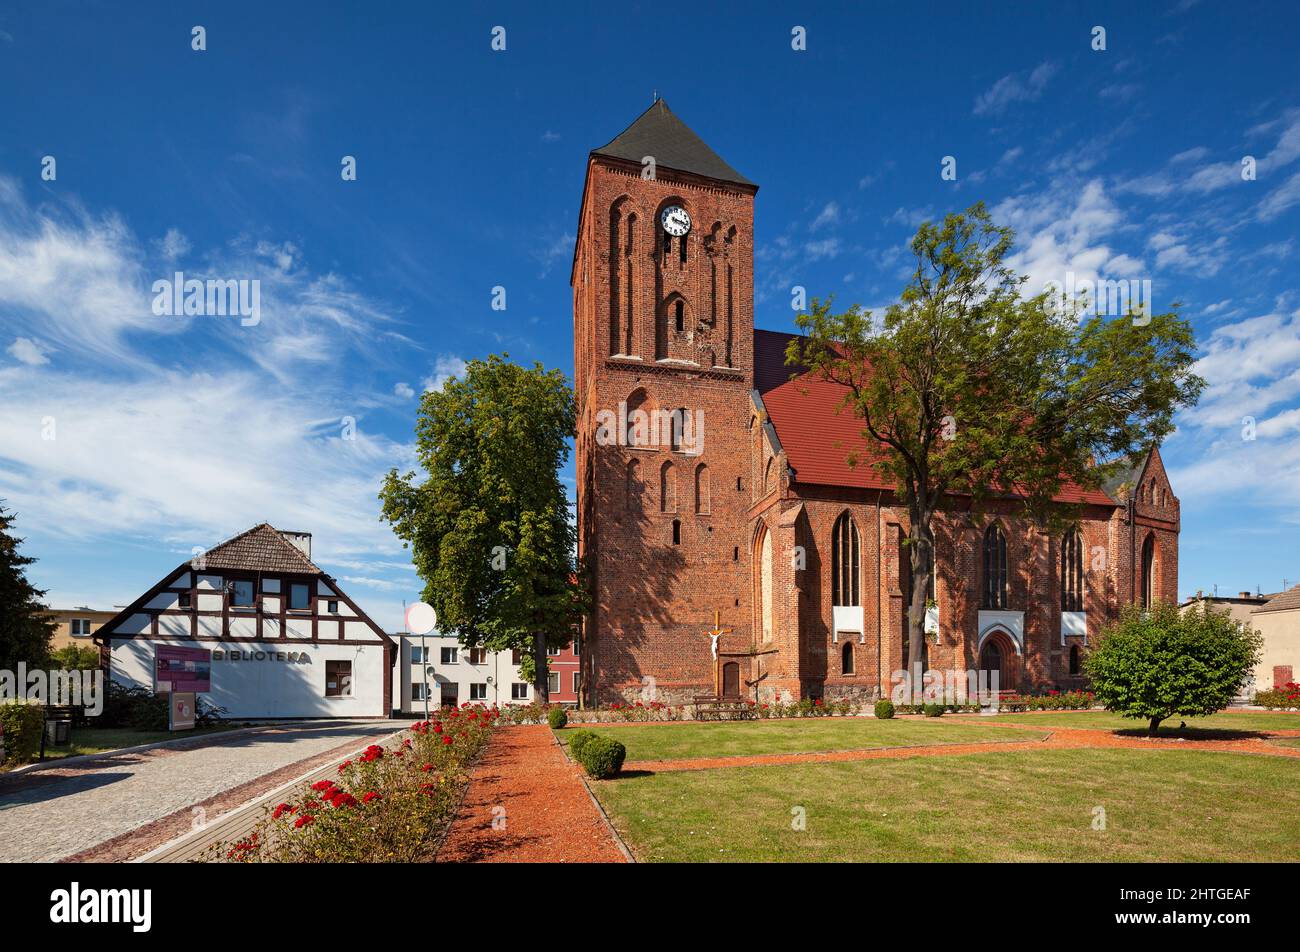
x: 55, y: 813
x: 542, y: 809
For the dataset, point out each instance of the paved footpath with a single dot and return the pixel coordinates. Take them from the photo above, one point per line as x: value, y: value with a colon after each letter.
x: 526, y: 804
x: 51, y: 814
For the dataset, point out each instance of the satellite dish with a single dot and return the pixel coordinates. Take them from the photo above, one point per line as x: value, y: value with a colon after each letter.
x: 421, y: 618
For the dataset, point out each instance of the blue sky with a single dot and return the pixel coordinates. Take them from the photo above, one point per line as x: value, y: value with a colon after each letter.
x: 172, y: 432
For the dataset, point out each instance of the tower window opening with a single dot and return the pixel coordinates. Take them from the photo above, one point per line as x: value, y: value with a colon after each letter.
x: 668, y: 244
x: 677, y: 532
x: 679, y: 315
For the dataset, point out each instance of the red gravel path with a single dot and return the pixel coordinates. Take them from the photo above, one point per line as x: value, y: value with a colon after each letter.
x: 525, y: 780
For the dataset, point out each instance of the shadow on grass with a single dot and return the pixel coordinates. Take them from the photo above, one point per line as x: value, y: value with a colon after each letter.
x: 1193, y: 733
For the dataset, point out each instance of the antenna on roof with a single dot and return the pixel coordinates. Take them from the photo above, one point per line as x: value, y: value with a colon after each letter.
x: 654, y: 97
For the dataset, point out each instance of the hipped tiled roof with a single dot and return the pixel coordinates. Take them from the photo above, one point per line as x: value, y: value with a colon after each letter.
x: 1286, y: 601
x: 672, y: 144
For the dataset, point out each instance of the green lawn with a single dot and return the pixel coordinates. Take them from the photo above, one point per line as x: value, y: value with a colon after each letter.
x: 1287, y: 742
x: 96, y: 740
x: 1224, y: 721
x: 677, y: 741
x: 1168, y: 806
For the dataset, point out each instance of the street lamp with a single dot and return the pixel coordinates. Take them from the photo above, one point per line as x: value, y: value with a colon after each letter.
x: 422, y: 619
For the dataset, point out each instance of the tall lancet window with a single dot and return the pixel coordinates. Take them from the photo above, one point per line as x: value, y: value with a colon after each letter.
x: 1072, y: 572
x: 995, y: 568
x: 844, y: 562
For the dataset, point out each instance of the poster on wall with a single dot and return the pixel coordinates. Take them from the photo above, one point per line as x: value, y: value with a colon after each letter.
x: 181, y: 705
x: 182, y: 669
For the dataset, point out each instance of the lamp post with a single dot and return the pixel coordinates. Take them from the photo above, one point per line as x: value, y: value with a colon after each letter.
x: 422, y: 619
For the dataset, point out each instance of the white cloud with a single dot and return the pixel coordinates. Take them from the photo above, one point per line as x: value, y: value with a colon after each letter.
x: 1014, y: 88
x: 28, y: 351
x: 174, y: 245
x: 403, y: 390
x: 444, y: 368
x: 829, y: 215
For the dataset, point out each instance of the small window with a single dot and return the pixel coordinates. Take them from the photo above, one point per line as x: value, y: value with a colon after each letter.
x: 577, y: 681
x: 679, y: 314
x: 184, y: 600
x: 478, y: 692
x: 516, y: 656
x: 419, y: 654
x: 668, y: 245
x: 681, y: 249
x: 735, y: 553
x: 80, y: 627
x: 338, y: 678
x: 518, y: 692
x: 553, y: 682
x: 449, y: 656
x: 1074, y: 659
x: 846, y: 658
x: 299, y: 600
x: 477, y: 655
x: 737, y: 484
x: 241, y: 593
x: 677, y: 532
x: 419, y: 691
x: 332, y: 606
x: 552, y: 652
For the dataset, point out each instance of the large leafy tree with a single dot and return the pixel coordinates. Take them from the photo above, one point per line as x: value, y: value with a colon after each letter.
x: 26, y: 627
x: 1159, y: 663
x: 488, y: 523
x: 969, y: 386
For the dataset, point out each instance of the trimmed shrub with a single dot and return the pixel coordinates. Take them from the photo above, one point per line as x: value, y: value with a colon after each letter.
x: 22, y: 724
x: 557, y: 717
x: 884, y: 709
x: 578, y: 740
x: 602, y: 757
x: 933, y: 710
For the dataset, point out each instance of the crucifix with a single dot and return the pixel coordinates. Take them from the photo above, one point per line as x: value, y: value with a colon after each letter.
x: 714, y: 635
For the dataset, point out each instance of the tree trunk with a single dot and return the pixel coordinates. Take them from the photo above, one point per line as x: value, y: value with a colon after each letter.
x: 541, y: 679
x: 922, y: 563
x: 1155, y: 726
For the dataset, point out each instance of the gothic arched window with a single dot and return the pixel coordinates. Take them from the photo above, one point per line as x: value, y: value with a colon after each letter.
x: 846, y: 658
x: 995, y: 568
x: 1148, y: 593
x: 1072, y: 572
x: 844, y: 562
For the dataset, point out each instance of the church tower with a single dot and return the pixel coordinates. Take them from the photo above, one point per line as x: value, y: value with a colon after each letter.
x: 663, y: 370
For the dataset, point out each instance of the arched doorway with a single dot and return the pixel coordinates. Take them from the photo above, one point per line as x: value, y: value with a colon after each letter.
x: 998, y: 654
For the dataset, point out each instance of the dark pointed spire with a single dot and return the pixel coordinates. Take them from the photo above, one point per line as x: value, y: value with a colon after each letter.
x: 659, y: 133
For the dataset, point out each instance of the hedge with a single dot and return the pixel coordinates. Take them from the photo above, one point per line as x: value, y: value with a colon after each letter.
x: 577, y: 740
x: 23, y: 724
x: 557, y: 718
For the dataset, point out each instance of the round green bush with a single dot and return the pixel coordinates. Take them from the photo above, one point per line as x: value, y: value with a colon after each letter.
x: 577, y: 740
x: 557, y: 717
x: 933, y: 710
x: 602, y: 757
x: 884, y: 709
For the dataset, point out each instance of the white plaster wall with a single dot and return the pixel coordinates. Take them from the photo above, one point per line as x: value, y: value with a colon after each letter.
x: 265, y: 688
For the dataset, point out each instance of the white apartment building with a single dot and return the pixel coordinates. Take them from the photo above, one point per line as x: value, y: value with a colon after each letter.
x: 440, y: 668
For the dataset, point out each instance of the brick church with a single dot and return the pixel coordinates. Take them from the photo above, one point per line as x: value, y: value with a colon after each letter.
x: 748, y: 508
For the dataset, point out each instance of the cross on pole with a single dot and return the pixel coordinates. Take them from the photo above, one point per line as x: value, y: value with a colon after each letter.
x: 715, y: 634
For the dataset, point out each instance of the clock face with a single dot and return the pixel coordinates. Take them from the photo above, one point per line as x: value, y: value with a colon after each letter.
x: 675, y: 220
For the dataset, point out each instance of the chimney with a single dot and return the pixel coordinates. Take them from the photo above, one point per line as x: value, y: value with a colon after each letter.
x: 299, y: 540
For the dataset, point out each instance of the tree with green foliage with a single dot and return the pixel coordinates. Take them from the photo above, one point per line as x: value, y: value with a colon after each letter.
x: 75, y: 658
x: 967, y: 386
x: 1158, y: 663
x: 489, y: 525
x: 26, y: 627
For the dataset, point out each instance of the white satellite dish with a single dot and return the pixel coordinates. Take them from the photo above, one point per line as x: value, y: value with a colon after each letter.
x: 421, y: 618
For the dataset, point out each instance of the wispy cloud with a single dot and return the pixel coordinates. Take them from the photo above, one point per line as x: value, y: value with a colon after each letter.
x: 1015, y: 88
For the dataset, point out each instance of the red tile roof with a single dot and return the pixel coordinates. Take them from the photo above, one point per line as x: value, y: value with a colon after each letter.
x: 817, y: 436
x: 1283, y: 602
x: 260, y: 549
